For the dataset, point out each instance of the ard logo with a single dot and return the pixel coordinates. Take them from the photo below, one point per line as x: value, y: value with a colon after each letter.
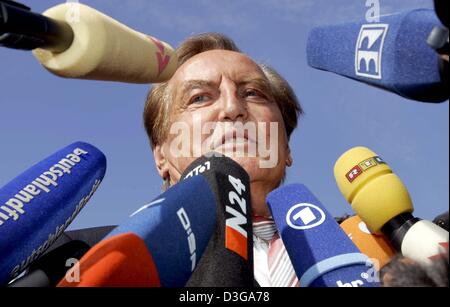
x: 305, y: 216
x: 369, y: 50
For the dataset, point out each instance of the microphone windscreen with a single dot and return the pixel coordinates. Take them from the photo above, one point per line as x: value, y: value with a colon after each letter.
x: 39, y: 204
x: 228, y: 258
x: 375, y: 246
x: 392, y: 54
x: 159, y: 245
x: 104, y: 49
x: 375, y: 193
x: 321, y: 253
x: 122, y: 260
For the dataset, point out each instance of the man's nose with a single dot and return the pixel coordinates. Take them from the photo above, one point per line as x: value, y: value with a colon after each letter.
x: 233, y: 108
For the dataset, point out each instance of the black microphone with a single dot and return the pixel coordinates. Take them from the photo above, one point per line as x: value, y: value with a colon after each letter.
x: 48, y: 270
x: 442, y: 8
x: 22, y: 29
x: 228, y: 258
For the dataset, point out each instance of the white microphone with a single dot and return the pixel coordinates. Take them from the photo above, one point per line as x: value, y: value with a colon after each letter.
x: 104, y: 49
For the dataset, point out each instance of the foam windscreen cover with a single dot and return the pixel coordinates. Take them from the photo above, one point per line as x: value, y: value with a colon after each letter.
x: 321, y: 253
x: 392, y: 54
x: 375, y: 193
x: 159, y: 245
x: 104, y: 49
x: 375, y: 246
x: 39, y: 204
x: 228, y: 258
x: 120, y: 261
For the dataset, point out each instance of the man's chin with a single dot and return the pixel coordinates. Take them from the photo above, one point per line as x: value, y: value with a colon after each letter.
x: 250, y: 164
x: 253, y: 165
x: 240, y: 157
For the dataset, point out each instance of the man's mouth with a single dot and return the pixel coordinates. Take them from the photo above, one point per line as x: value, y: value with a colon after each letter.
x: 231, y: 139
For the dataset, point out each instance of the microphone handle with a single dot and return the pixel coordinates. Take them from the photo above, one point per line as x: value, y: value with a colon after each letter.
x: 425, y: 242
x: 22, y: 29
x: 420, y: 240
x: 397, y: 228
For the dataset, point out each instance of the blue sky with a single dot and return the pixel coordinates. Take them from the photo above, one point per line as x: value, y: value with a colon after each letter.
x: 41, y: 113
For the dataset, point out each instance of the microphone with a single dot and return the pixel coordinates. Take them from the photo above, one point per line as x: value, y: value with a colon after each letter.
x: 228, y: 258
x: 48, y: 270
x: 38, y: 205
x: 73, y: 40
x: 163, y: 242
x: 375, y: 246
x: 379, y: 197
x: 392, y: 55
x: 321, y: 253
x: 442, y: 220
x: 22, y: 29
x: 442, y: 7
x: 159, y: 245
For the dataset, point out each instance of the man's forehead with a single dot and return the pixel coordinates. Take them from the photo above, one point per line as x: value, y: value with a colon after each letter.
x: 211, y: 65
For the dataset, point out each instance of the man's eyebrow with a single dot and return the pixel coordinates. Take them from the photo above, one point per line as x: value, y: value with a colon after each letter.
x: 261, y: 82
x: 193, y: 84
x: 189, y: 85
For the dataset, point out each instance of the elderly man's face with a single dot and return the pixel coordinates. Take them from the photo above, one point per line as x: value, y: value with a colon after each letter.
x: 217, y: 90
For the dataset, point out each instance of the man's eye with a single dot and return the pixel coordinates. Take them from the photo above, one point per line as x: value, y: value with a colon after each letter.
x: 199, y: 99
x: 253, y: 93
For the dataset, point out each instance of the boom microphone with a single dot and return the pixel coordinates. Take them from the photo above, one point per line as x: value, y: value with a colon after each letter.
x: 39, y: 204
x: 77, y: 41
x: 321, y: 253
x: 375, y: 246
x: 378, y: 196
x: 392, y: 54
x: 22, y: 29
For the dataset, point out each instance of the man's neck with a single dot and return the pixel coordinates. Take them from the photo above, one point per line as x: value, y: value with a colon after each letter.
x: 259, y: 191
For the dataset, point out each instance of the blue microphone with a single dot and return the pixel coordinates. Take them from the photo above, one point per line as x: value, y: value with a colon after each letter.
x: 184, y: 237
x: 321, y: 253
x: 392, y: 54
x: 175, y: 228
x: 38, y: 205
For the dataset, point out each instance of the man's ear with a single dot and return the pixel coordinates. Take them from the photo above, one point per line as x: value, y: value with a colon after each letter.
x: 289, y: 159
x: 161, y: 161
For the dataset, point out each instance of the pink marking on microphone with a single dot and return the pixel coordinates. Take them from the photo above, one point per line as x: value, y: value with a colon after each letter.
x: 163, y: 59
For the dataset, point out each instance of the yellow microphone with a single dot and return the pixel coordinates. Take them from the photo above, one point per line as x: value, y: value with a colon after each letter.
x: 104, y: 49
x: 381, y: 200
